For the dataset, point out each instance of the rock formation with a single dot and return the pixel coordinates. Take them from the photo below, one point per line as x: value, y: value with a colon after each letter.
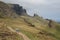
x: 51, y: 23
x: 11, y: 10
x: 6, y: 11
x: 19, y: 9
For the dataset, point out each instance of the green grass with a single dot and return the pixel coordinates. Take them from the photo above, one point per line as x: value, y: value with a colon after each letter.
x: 32, y: 32
x: 6, y: 34
x: 54, y: 32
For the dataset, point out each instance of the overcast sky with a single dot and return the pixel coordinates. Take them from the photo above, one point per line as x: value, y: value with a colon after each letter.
x: 46, y: 8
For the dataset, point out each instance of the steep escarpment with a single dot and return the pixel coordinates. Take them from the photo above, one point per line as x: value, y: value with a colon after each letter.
x: 11, y: 10
x: 18, y: 9
x: 6, y: 11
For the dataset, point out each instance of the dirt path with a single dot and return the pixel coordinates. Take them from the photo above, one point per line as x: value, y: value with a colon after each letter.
x: 21, y: 34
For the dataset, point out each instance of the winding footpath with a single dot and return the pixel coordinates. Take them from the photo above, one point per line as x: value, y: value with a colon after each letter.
x: 21, y: 34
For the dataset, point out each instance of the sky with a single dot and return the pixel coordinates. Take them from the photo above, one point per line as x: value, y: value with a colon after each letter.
x: 46, y: 8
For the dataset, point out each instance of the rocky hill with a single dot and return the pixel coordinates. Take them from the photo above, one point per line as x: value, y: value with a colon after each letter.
x: 11, y: 10
x: 5, y: 10
x: 16, y: 24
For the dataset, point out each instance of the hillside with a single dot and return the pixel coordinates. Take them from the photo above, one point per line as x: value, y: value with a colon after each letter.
x: 22, y: 25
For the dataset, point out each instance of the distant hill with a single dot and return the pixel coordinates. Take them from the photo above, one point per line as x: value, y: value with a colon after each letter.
x: 34, y: 27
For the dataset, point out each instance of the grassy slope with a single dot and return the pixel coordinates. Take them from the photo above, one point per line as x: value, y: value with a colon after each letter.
x: 6, y: 34
x: 30, y: 31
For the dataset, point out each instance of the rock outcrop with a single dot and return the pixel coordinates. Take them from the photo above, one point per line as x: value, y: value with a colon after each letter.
x: 19, y: 9
x: 6, y: 11
x: 51, y: 23
x: 11, y: 10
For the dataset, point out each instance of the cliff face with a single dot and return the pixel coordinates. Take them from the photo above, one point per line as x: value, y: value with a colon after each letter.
x: 4, y: 9
x: 18, y: 9
x: 11, y: 10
